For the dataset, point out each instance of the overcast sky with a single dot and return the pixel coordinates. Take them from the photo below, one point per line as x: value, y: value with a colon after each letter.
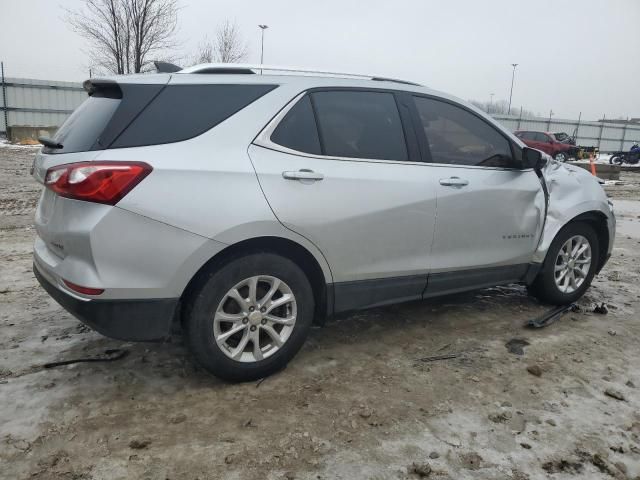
x: 573, y: 55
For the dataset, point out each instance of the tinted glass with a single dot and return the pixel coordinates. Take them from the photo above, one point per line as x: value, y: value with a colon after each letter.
x: 541, y: 137
x: 180, y: 112
x: 298, y: 130
x: 458, y: 137
x: 526, y: 135
x: 82, y: 129
x: 359, y: 124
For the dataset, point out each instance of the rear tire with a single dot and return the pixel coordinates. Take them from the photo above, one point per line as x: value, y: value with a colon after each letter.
x: 557, y: 288
x: 246, y: 320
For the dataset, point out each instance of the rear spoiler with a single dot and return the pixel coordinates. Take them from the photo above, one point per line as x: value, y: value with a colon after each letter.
x: 102, y: 88
x: 166, y: 67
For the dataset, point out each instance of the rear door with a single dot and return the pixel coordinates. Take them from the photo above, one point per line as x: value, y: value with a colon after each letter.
x: 489, y: 212
x: 342, y: 168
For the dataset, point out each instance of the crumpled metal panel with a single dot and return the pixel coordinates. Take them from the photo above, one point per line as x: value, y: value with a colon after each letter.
x: 572, y: 191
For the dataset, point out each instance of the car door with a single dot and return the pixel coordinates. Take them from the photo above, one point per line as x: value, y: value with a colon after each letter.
x: 342, y: 168
x: 489, y: 213
x: 544, y: 143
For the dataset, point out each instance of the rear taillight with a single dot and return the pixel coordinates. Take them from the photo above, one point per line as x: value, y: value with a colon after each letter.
x: 99, y: 182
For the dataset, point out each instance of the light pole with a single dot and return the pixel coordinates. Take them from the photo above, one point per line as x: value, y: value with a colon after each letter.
x: 263, y: 28
x: 491, y: 102
x: 513, y: 76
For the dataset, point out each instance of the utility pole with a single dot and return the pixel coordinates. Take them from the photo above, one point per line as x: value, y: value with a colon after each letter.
x: 263, y: 28
x: 513, y: 76
x: 491, y: 102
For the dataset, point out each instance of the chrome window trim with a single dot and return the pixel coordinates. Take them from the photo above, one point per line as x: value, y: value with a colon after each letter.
x: 263, y: 139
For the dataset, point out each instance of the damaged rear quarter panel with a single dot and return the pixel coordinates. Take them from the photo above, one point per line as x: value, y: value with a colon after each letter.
x: 572, y: 191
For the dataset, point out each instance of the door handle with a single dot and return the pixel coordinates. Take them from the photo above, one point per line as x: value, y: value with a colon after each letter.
x: 454, y: 182
x: 302, y: 174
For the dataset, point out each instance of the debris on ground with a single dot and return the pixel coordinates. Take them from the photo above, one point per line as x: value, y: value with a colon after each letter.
x: 601, y: 309
x: 500, y: 417
x: 434, y: 455
x: 438, y: 357
x: 471, y: 461
x: 618, y: 395
x: 535, y: 370
x: 139, y: 443
x: 516, y: 346
x: 563, y: 466
x: 179, y: 418
x: 551, y: 316
x: 108, y: 356
x: 422, y: 469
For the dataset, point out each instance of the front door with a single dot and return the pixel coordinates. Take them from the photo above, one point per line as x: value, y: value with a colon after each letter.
x: 489, y: 214
x: 340, y: 169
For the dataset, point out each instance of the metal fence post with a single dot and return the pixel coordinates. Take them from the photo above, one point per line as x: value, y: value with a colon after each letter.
x: 624, y: 134
x: 520, y: 118
x: 4, y: 103
x: 577, y: 133
x: 604, y: 117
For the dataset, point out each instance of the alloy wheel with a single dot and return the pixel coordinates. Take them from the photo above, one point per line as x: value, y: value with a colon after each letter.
x: 255, y: 318
x: 572, y: 264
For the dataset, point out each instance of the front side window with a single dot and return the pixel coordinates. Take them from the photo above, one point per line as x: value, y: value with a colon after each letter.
x: 541, y: 137
x: 458, y: 137
x: 359, y: 124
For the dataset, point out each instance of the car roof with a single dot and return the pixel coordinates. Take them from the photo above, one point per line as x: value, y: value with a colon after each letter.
x: 298, y: 79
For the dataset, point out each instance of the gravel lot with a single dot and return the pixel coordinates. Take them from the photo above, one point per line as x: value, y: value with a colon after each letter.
x: 357, y: 402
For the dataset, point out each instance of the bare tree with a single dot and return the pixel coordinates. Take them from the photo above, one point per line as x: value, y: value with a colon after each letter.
x: 228, y: 46
x: 204, y: 54
x: 124, y: 36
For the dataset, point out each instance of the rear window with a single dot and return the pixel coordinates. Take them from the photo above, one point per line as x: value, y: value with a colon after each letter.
x: 134, y: 115
x: 84, y: 126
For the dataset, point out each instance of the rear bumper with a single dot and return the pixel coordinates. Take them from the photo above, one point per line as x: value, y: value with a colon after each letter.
x: 131, y: 320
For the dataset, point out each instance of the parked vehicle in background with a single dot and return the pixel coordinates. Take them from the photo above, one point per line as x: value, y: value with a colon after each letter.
x: 242, y: 208
x: 547, y: 143
x: 631, y: 157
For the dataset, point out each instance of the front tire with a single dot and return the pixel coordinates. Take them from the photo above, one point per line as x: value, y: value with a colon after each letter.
x: 569, y: 266
x: 246, y: 320
x: 561, y: 157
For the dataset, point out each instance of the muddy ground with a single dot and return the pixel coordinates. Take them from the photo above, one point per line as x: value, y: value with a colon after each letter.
x: 357, y: 402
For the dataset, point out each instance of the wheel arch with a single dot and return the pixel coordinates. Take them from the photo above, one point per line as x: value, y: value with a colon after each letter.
x: 598, y: 221
x: 322, y: 289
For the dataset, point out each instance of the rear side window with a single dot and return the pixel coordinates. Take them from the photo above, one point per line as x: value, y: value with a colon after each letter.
x: 458, y: 137
x: 82, y: 129
x: 298, y: 130
x: 180, y: 112
x: 359, y: 124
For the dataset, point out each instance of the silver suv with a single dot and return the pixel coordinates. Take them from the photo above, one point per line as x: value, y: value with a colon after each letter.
x: 242, y: 207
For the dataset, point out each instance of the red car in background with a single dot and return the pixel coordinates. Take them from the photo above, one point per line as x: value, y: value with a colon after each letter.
x: 546, y: 142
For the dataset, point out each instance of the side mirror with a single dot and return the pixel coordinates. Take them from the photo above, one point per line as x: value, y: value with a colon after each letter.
x: 532, y: 158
